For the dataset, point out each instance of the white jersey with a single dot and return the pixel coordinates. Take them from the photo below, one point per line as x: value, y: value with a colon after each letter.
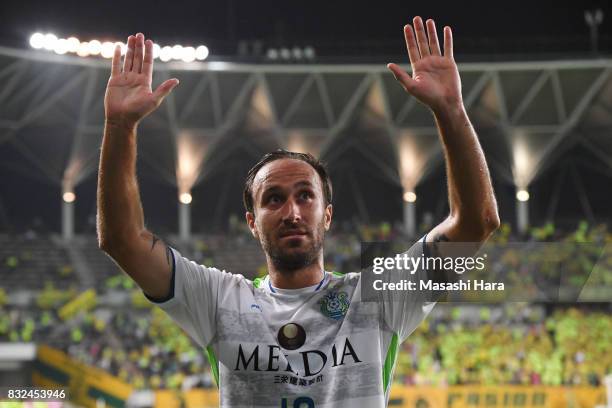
x: 345, y: 351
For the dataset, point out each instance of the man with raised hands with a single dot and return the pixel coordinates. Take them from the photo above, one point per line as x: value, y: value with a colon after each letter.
x: 301, y: 336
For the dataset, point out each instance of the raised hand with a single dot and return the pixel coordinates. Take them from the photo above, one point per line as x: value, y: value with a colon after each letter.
x: 129, y: 97
x: 435, y: 79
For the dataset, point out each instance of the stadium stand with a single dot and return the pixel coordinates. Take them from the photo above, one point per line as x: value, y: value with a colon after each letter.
x: 514, y: 343
x: 30, y: 261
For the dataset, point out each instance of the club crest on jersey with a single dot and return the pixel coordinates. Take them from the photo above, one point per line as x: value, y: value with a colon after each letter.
x: 334, y: 305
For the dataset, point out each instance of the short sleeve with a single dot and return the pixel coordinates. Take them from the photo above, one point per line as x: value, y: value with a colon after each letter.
x: 404, y: 310
x: 194, y: 297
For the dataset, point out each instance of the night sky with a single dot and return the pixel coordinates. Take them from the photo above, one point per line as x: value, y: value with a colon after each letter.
x: 337, y: 27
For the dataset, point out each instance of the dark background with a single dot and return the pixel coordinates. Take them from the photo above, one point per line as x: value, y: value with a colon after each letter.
x: 347, y: 31
x: 359, y: 29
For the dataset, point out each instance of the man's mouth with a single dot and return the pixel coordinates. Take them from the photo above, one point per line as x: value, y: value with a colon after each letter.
x: 293, y: 234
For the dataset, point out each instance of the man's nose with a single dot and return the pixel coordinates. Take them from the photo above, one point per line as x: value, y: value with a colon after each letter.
x: 292, y: 212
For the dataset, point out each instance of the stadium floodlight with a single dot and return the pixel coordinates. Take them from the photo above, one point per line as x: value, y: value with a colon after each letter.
x: 309, y: 52
x: 108, y: 49
x: 61, y: 46
x: 594, y: 19
x: 95, y: 47
x: 49, y: 42
x: 73, y: 44
x: 69, y: 197
x: 189, y: 54
x: 285, y: 53
x: 156, y: 50
x: 201, y: 53
x: 123, y: 47
x: 522, y: 195
x: 410, y: 197
x: 272, y: 54
x: 177, y: 52
x: 297, y: 53
x: 37, y: 40
x: 83, y: 50
x: 166, y: 53
x: 185, y: 198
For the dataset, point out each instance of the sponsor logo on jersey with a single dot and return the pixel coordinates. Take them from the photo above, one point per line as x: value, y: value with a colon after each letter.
x: 310, y: 362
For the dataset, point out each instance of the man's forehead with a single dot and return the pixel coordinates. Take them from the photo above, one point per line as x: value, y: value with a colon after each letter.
x: 285, y: 171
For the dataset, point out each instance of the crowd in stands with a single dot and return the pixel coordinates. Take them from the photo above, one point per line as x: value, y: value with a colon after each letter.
x: 571, y: 346
x: 31, y: 260
x: 142, y: 346
x: 34, y: 261
x: 144, y: 349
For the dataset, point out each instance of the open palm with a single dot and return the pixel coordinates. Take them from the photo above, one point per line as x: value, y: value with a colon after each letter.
x: 129, y: 96
x: 435, y: 78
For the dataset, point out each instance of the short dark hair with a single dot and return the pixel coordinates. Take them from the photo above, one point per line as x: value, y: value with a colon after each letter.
x: 316, y: 164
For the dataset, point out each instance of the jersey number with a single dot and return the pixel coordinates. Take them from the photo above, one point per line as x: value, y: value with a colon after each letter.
x: 301, y: 402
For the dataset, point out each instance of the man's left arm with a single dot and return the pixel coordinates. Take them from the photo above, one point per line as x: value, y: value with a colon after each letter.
x: 473, y: 209
x: 435, y: 82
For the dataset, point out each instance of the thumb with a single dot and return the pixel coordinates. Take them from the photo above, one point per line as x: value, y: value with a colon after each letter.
x: 402, y: 77
x: 164, y: 90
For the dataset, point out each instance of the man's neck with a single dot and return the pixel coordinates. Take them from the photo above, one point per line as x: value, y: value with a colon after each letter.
x: 300, y: 278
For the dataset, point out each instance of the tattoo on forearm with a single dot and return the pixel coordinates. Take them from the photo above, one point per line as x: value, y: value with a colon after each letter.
x: 168, y: 250
x: 437, y: 239
x: 155, y: 240
x: 441, y: 238
x: 168, y: 255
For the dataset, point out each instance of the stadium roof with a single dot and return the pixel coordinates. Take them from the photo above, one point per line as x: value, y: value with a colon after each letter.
x: 543, y: 125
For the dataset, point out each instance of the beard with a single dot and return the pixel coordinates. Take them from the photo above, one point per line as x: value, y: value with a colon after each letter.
x: 288, y: 261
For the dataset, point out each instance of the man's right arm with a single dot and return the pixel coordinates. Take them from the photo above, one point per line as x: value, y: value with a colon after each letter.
x: 120, y: 219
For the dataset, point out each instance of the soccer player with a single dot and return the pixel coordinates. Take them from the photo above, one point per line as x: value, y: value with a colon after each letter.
x: 301, y: 336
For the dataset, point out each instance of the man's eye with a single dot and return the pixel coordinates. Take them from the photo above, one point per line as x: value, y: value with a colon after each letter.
x: 305, y: 195
x: 274, y: 199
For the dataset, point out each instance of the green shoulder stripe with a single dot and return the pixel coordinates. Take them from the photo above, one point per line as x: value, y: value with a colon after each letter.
x: 390, y: 362
x: 214, y: 364
x: 258, y: 281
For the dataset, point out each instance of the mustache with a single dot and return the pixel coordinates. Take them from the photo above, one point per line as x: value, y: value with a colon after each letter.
x: 293, y: 231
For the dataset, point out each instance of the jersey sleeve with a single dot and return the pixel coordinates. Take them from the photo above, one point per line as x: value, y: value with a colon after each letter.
x: 194, y: 295
x: 404, y: 310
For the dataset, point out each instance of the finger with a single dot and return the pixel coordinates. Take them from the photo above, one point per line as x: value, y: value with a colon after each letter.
x: 434, y: 45
x: 116, y: 62
x: 164, y: 90
x: 147, y: 65
x: 419, y: 29
x: 138, y: 53
x: 448, y: 42
x: 402, y: 77
x: 411, y: 45
x: 129, y: 55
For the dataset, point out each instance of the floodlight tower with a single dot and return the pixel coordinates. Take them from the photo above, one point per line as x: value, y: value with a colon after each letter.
x: 68, y: 198
x: 522, y: 209
x: 185, y: 216
x: 594, y: 18
x: 410, y: 213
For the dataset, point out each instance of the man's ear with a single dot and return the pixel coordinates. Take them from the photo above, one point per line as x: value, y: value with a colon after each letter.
x: 250, y: 219
x: 329, y: 210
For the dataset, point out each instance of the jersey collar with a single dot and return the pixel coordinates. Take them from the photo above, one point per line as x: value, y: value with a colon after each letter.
x: 313, y: 288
